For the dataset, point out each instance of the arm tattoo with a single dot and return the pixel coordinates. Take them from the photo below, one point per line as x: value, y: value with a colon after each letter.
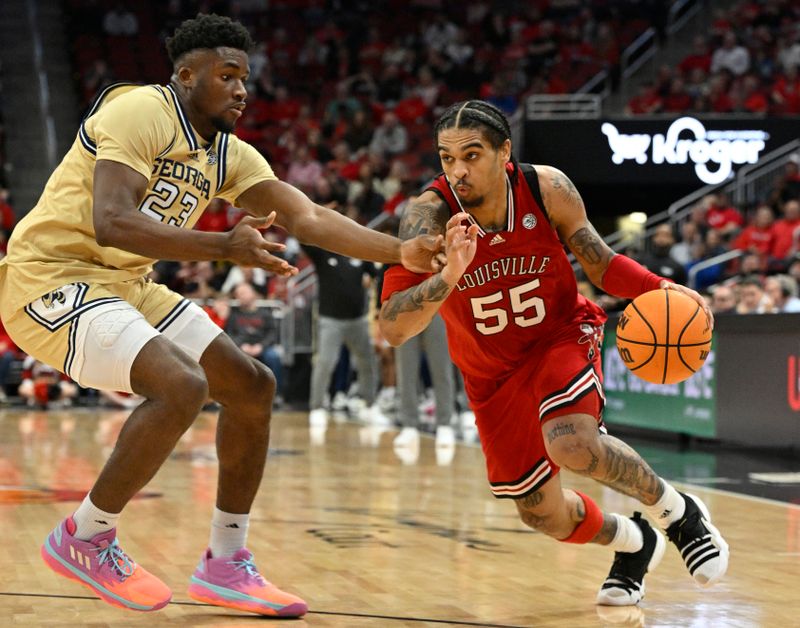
x: 563, y: 185
x: 423, y: 219
x: 589, y: 246
x: 431, y: 290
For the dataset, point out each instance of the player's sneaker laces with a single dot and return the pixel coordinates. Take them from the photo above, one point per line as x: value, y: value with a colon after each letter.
x: 234, y: 581
x: 102, y: 566
x: 702, y: 547
x: 624, y: 585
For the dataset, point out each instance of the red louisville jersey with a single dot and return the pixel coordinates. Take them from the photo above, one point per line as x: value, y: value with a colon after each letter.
x: 518, y: 294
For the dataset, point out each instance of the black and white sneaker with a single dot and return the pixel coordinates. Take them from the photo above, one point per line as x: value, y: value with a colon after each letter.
x: 701, y: 545
x: 624, y: 585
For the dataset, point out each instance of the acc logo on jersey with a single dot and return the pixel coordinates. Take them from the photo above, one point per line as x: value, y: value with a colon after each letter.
x: 529, y: 221
x: 212, y: 157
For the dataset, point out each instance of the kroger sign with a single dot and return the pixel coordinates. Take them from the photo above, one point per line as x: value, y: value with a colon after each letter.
x: 713, y: 152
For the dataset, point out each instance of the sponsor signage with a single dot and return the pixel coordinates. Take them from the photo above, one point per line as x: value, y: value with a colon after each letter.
x: 747, y: 392
x: 659, y: 151
x: 688, y: 407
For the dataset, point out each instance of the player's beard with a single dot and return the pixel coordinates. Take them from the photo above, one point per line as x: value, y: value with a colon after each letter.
x: 222, y: 125
x: 470, y: 203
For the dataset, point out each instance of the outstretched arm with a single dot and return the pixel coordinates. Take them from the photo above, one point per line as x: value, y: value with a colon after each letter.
x: 328, y: 229
x: 117, y: 221
x: 407, y: 312
x: 614, y: 273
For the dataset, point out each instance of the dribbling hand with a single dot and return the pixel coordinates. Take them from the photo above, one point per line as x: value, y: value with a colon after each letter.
x: 668, y: 285
x: 246, y: 246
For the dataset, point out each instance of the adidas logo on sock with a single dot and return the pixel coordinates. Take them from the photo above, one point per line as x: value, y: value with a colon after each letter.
x: 101, y: 522
x: 232, y: 525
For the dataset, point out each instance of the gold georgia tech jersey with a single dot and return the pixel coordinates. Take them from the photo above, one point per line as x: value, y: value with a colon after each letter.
x: 143, y: 127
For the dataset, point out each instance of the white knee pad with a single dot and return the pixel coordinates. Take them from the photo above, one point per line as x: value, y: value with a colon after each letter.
x: 192, y: 330
x: 105, y: 342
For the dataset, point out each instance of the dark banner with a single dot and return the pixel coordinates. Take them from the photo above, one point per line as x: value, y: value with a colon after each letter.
x: 747, y: 392
x: 686, y: 151
x: 758, y: 379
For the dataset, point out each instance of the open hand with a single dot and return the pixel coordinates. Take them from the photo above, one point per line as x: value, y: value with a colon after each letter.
x: 461, y: 242
x: 246, y: 246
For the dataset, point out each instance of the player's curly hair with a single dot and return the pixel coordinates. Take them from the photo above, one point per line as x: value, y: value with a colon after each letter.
x: 476, y: 114
x: 207, y: 31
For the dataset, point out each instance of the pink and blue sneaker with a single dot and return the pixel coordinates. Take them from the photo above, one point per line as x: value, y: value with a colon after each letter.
x: 100, y: 565
x: 234, y: 582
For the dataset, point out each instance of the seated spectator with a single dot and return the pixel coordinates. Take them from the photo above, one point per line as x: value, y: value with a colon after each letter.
x: 255, y: 331
x: 120, y: 21
x: 682, y: 251
x: 758, y: 236
x: 752, y: 98
x: 752, y: 299
x: 698, y: 59
x: 782, y: 291
x: 786, y: 91
x: 703, y: 251
x: 659, y: 260
x: 215, y: 218
x: 723, y: 300
x: 785, y: 243
x: 731, y: 56
x: 195, y: 280
x: 391, y: 137
x: 358, y: 131
x: 304, y: 170
x: 646, y: 101
x: 677, y: 99
x: 720, y: 216
x: 787, y: 185
x: 44, y: 386
x: 427, y: 88
x: 8, y: 352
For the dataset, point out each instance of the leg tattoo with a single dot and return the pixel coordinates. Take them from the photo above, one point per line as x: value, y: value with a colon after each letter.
x: 618, y: 466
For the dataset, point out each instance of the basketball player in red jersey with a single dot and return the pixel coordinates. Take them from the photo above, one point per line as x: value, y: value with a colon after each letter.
x: 528, y: 346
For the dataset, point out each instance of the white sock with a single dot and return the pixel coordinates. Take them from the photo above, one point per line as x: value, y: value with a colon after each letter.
x: 228, y: 533
x: 91, y: 521
x: 628, y: 537
x: 668, y: 509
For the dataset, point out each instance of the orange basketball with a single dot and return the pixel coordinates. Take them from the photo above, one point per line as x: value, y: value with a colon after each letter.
x: 663, y: 336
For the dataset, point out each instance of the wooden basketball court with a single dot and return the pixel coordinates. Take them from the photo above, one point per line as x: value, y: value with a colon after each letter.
x: 367, y: 539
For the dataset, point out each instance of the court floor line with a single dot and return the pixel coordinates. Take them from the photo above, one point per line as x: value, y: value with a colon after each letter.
x: 446, y: 622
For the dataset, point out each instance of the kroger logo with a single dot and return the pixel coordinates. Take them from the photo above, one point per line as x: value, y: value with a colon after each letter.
x: 721, y: 148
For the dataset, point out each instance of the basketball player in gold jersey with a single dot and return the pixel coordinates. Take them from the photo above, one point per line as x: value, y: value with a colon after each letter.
x: 73, y: 293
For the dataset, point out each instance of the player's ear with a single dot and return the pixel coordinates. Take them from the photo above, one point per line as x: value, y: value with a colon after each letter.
x: 185, y: 75
x: 505, y: 150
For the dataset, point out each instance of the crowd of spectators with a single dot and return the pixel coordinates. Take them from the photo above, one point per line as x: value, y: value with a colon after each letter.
x: 763, y: 278
x: 342, y: 99
x: 749, y: 62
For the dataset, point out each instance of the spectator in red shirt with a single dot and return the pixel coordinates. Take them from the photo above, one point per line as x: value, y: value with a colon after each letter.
x: 646, y: 101
x: 758, y: 236
x: 786, y: 91
x: 753, y: 98
x: 700, y: 57
x: 215, y: 218
x: 7, y: 219
x: 677, y: 100
x: 720, y: 216
x: 785, y: 244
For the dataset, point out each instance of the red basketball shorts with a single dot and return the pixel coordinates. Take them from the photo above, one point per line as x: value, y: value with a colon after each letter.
x: 565, y: 377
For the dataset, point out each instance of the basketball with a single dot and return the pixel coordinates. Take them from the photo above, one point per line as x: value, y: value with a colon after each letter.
x: 663, y: 336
